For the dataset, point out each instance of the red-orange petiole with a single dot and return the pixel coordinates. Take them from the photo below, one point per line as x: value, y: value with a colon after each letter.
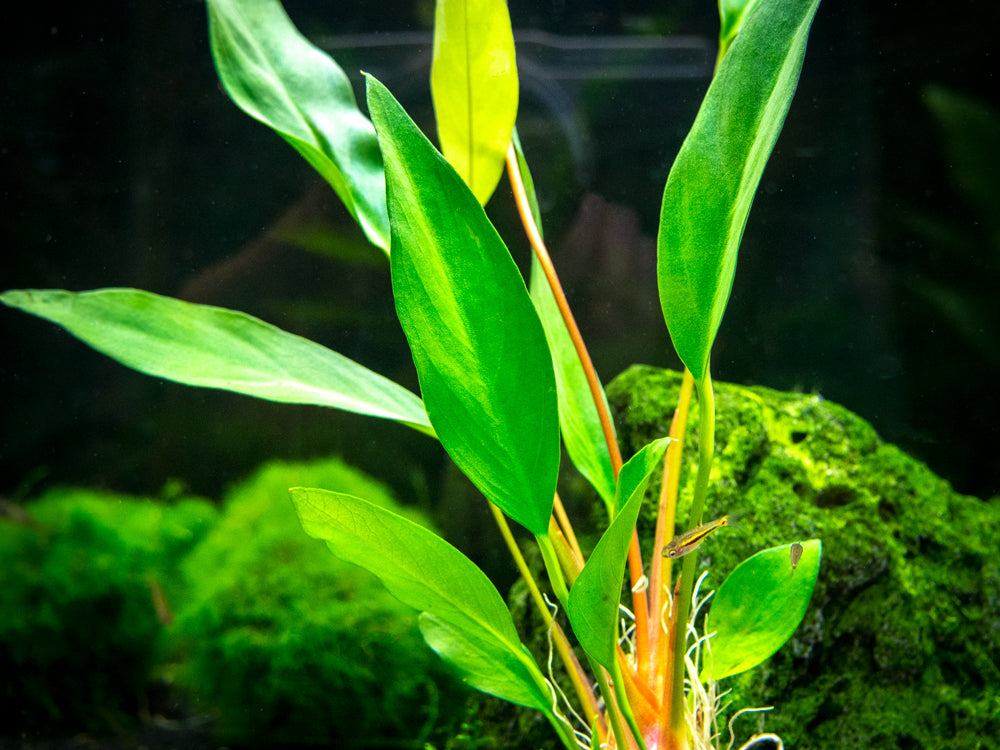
x: 640, y: 604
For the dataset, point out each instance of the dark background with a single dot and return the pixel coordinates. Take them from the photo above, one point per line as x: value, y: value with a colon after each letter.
x: 868, y: 270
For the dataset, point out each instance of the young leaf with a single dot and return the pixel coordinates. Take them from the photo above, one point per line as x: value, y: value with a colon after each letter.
x: 596, y: 593
x: 474, y: 86
x: 278, y: 77
x: 466, y: 620
x: 731, y: 16
x: 578, y: 420
x: 758, y: 607
x: 213, y: 347
x: 711, y: 185
x: 484, y: 367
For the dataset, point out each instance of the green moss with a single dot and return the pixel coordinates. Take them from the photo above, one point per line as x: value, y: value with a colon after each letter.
x: 272, y: 635
x: 898, y: 648
x: 78, y: 618
x: 287, y: 643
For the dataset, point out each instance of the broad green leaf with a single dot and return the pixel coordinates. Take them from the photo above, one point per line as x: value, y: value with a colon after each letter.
x: 484, y: 367
x: 280, y: 78
x: 578, y: 419
x: 474, y: 86
x: 593, y: 601
x: 712, y: 183
x: 758, y: 607
x: 213, y: 347
x: 466, y: 620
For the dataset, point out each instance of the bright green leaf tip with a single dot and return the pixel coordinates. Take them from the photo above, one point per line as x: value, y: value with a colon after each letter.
x: 475, y: 89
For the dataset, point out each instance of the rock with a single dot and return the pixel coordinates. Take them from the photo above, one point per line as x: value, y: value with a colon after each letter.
x: 291, y: 646
x: 87, y: 582
x: 899, y: 645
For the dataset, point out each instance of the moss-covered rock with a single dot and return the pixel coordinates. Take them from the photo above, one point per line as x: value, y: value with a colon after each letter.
x: 86, y: 579
x: 103, y: 597
x: 899, y: 646
x: 288, y: 644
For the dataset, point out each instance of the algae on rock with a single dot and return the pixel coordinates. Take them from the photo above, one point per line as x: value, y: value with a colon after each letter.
x: 899, y: 645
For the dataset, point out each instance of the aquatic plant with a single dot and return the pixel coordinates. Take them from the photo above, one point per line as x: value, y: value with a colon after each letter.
x: 505, y: 378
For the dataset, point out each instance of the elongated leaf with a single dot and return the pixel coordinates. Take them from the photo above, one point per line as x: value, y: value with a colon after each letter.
x: 578, y: 419
x: 712, y: 183
x: 596, y: 593
x: 484, y: 367
x: 278, y: 77
x: 474, y: 86
x: 467, y: 621
x: 758, y: 607
x: 217, y: 348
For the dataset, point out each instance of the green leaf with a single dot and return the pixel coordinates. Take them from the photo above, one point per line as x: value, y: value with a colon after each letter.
x: 593, y: 601
x: 578, y: 419
x: 731, y: 16
x: 484, y: 367
x: 758, y: 607
x: 278, y: 77
x: 529, y: 183
x: 474, y: 86
x: 712, y: 183
x: 466, y: 620
x: 213, y: 347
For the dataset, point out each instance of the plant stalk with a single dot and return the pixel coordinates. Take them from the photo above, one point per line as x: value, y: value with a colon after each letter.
x: 640, y: 604
x: 538, y: 247
x: 682, y: 604
x: 566, y: 526
x: 660, y: 566
x: 581, y: 684
x: 553, y: 568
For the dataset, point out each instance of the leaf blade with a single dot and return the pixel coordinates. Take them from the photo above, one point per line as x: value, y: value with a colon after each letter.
x: 711, y: 185
x: 480, y: 352
x: 594, y: 598
x: 758, y: 607
x: 277, y: 76
x: 475, y: 88
x: 469, y: 624
x: 212, y: 347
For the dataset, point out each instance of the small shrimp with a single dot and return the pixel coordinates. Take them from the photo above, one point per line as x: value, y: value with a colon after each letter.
x: 795, y: 553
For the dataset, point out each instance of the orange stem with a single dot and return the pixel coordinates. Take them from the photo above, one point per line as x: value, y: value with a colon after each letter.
x: 538, y: 246
x: 580, y: 684
x: 668, y: 739
x: 660, y: 568
x: 640, y: 603
x: 640, y: 608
